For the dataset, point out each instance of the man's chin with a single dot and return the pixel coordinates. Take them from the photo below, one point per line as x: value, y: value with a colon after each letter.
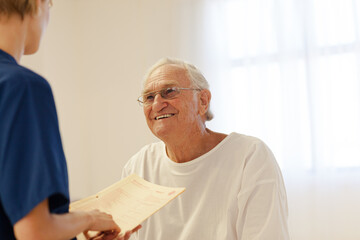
x: 161, y: 132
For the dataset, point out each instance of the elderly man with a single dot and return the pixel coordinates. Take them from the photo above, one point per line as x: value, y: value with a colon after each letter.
x: 234, y: 187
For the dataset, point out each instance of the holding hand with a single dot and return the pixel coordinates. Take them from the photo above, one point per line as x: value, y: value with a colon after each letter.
x: 106, y: 227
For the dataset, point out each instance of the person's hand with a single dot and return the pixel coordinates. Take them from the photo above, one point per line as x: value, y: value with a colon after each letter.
x: 107, y: 235
x: 110, y: 235
x: 127, y: 235
x: 104, y: 224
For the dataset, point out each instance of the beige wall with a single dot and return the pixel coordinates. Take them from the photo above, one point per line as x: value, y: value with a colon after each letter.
x: 94, y: 57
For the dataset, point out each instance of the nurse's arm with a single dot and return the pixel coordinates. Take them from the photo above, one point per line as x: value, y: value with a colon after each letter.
x: 40, y: 224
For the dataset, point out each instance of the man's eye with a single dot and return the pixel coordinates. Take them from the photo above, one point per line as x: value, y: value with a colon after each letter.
x: 169, y: 91
x: 149, y: 97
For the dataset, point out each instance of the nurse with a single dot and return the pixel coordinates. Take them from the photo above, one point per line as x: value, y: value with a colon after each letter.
x: 34, y: 194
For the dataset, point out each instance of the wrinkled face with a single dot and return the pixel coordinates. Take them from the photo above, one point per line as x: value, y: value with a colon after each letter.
x: 37, y: 25
x: 171, y: 117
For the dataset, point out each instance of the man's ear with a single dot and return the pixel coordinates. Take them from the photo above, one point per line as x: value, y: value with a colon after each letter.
x: 204, y: 103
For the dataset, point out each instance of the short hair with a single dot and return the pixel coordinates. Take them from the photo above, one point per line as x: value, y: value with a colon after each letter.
x: 20, y: 7
x: 195, y: 76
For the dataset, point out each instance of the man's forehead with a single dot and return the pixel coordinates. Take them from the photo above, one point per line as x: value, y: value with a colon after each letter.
x: 164, y: 76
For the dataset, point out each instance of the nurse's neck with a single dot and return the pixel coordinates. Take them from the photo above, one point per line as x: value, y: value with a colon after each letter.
x: 13, y: 32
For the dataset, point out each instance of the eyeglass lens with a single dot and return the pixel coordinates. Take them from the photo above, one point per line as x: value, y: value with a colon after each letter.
x: 166, y: 93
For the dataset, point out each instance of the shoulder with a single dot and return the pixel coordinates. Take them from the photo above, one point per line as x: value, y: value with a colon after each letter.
x: 253, y: 150
x: 245, y: 142
x: 22, y: 88
x: 16, y: 77
x: 149, y: 151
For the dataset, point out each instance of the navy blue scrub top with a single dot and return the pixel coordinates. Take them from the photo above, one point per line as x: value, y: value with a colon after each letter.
x: 32, y: 161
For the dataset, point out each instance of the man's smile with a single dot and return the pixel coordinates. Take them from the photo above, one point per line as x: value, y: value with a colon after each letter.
x: 164, y: 116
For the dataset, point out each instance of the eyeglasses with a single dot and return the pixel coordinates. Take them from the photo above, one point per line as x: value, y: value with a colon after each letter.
x: 166, y: 93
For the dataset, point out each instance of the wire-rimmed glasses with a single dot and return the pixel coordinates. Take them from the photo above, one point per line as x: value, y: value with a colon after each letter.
x: 166, y: 93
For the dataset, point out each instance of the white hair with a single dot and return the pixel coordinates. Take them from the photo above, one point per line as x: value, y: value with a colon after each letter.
x: 195, y: 76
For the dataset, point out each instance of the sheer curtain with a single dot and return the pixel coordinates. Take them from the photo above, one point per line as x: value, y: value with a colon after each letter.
x: 288, y: 72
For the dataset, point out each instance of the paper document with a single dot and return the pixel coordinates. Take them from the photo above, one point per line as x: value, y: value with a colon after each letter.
x: 130, y: 201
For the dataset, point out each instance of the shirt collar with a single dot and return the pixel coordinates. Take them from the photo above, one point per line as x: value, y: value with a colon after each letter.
x: 5, y: 57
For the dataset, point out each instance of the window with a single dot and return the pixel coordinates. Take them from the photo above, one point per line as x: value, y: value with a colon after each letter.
x: 294, y: 80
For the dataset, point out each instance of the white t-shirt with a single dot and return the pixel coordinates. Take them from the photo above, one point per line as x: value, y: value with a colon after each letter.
x: 234, y: 191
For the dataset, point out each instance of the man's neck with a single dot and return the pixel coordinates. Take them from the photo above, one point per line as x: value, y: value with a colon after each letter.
x: 193, y: 146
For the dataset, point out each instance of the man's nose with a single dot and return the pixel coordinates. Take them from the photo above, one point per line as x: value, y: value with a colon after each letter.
x: 159, y: 102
